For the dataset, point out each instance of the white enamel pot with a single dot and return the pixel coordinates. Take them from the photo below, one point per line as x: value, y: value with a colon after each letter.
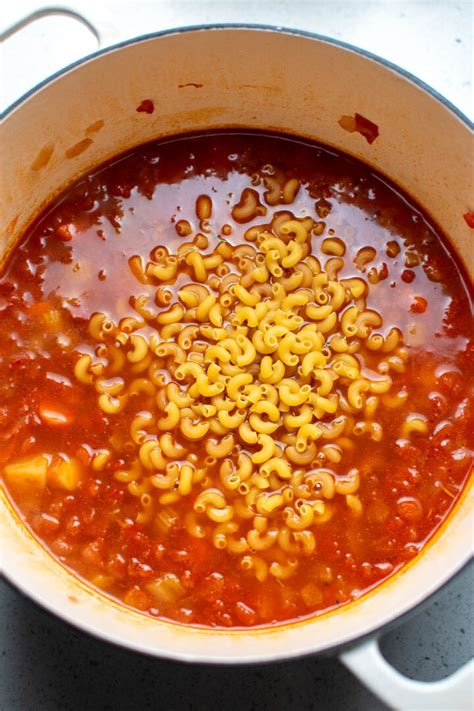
x: 208, y: 78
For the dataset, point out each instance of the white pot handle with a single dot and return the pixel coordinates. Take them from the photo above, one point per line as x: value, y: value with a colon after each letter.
x: 95, y: 16
x: 366, y: 661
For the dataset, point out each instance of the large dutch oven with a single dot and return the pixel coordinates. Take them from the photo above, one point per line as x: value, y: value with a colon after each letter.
x: 251, y: 77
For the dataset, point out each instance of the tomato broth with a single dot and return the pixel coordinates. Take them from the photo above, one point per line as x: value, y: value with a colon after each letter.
x: 236, y: 379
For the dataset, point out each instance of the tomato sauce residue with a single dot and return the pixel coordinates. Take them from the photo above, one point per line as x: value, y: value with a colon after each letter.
x: 146, y: 106
x: 469, y: 219
x: 78, y: 148
x: 360, y: 124
x: 95, y: 127
x: 74, y: 261
x: 43, y: 157
x: 10, y: 228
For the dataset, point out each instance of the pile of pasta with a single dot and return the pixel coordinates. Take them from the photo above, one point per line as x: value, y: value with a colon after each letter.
x: 244, y: 384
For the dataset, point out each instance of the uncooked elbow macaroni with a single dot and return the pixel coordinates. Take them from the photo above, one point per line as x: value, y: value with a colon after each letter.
x: 266, y: 368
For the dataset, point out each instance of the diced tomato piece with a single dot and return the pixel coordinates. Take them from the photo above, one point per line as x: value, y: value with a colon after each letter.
x: 407, y: 276
x: 419, y: 305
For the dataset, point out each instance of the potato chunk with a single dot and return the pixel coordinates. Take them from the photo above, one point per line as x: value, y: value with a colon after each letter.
x: 65, y: 474
x: 28, y: 472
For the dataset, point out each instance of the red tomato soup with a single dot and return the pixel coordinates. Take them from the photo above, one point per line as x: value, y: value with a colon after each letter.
x: 236, y: 379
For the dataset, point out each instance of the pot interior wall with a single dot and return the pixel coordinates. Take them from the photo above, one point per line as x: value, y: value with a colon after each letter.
x: 206, y: 79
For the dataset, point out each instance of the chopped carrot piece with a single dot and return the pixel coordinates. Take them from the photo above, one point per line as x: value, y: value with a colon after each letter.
x: 55, y: 415
x: 39, y: 307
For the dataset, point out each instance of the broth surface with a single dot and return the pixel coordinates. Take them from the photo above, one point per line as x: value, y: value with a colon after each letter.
x: 74, y: 292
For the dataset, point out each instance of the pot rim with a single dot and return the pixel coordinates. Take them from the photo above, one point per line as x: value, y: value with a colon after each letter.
x: 404, y: 73
x: 384, y: 628
x: 393, y: 618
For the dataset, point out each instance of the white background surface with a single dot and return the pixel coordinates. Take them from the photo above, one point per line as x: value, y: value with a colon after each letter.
x: 430, y: 38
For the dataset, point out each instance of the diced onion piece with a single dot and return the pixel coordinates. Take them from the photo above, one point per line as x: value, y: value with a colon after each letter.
x: 166, y: 588
x: 312, y: 595
x: 166, y: 519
